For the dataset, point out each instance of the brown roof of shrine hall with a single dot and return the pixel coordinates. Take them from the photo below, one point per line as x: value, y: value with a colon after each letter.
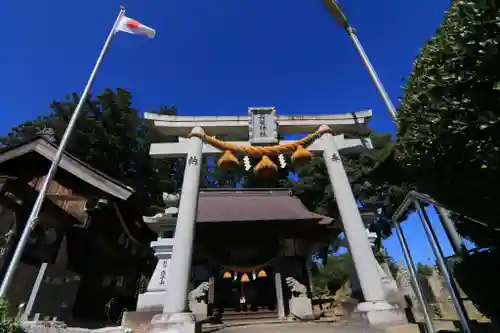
x: 242, y: 205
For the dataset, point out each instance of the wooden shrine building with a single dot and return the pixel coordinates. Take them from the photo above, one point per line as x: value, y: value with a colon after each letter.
x: 90, y: 234
x: 248, y: 242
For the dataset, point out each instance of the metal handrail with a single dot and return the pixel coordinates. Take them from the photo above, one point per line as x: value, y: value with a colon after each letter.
x: 405, y: 204
x: 456, y: 241
x: 414, y: 198
x: 408, y: 200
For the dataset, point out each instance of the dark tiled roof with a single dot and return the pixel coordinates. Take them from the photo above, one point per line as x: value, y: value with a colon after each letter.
x: 238, y: 205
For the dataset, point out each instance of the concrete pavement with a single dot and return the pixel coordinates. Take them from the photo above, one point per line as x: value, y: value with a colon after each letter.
x: 322, y: 327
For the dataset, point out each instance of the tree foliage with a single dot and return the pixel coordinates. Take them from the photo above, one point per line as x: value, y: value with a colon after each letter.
x: 448, y: 142
x: 112, y: 137
x: 7, y: 323
x: 383, y: 257
x: 329, y: 277
x: 425, y: 270
x: 371, y: 190
x: 481, y: 286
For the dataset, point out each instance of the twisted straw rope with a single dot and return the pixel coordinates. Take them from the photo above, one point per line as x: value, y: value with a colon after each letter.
x: 256, y: 151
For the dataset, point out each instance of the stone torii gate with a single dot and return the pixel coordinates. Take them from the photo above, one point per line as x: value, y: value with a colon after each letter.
x: 261, y: 127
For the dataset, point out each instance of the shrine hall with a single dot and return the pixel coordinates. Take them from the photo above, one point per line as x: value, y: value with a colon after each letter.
x: 248, y: 242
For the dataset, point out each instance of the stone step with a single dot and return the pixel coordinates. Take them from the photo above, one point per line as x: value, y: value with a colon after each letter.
x: 249, y: 316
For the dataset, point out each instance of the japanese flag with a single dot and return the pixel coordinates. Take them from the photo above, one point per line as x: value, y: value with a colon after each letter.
x: 134, y: 27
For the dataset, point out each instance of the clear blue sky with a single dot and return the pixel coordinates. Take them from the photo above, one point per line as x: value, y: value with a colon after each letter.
x: 214, y: 57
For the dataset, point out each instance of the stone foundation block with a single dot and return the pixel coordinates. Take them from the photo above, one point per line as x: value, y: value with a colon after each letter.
x: 151, y: 301
x: 199, y: 309
x: 301, y: 307
x: 380, y: 313
x: 174, y: 323
x: 138, y: 321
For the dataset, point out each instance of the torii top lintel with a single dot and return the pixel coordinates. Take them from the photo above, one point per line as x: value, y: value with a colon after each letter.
x: 355, y: 122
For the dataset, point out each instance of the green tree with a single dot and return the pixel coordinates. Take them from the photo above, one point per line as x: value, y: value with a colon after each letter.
x: 374, y: 188
x: 478, y: 276
x: 371, y: 189
x: 110, y: 136
x: 331, y: 276
x: 7, y: 323
x: 383, y: 257
x: 393, y: 266
x: 425, y: 270
x: 448, y: 142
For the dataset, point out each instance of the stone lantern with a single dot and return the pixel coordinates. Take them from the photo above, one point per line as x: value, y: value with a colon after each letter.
x: 163, y: 224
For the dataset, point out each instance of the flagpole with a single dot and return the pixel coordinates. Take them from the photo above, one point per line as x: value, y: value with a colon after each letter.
x: 34, y: 215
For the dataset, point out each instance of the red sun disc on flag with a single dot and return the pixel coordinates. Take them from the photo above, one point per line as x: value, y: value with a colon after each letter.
x: 133, y: 24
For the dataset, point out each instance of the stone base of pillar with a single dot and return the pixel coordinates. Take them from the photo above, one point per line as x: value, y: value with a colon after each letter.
x: 380, y: 313
x: 138, y: 321
x: 174, y: 323
x: 199, y: 309
x: 301, y: 307
x: 151, y: 301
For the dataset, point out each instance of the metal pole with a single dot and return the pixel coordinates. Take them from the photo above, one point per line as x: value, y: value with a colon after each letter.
x: 455, y: 240
x: 442, y: 266
x: 413, y: 275
x: 380, y: 87
x: 32, y: 219
x: 407, y: 201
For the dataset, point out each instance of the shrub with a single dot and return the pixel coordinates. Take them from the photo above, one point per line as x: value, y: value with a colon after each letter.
x: 7, y: 323
x: 481, y: 286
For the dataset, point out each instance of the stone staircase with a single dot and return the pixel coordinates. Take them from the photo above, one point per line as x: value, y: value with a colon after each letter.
x: 243, y: 317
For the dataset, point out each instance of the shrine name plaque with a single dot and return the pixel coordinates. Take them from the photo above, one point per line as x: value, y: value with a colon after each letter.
x: 263, y: 127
